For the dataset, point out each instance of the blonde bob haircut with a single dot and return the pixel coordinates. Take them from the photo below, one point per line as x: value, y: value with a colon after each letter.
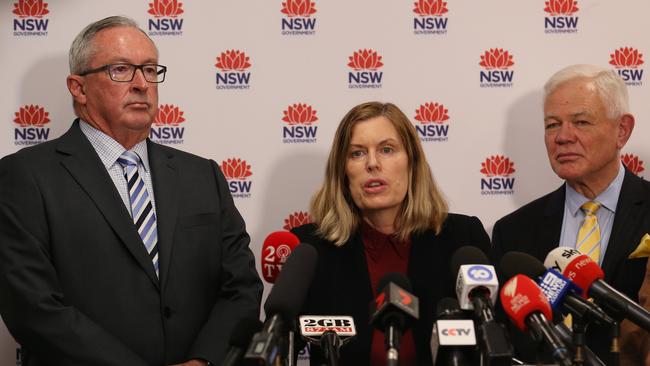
x: 332, y: 207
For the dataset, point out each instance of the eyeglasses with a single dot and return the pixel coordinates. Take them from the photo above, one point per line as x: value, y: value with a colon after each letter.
x: 125, y: 73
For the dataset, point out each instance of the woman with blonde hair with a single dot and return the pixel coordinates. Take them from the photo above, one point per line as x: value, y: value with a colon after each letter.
x: 379, y: 211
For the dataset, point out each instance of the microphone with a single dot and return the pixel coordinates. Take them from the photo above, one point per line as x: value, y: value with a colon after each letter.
x: 240, y: 338
x: 476, y: 289
x: 560, y: 291
x: 567, y: 337
x: 276, y: 249
x: 328, y: 332
x: 283, y: 305
x: 395, y: 309
x: 528, y: 308
x: 453, y: 336
x: 582, y: 270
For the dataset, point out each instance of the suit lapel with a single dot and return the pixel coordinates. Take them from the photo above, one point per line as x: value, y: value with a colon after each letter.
x: 82, y: 162
x: 165, y: 185
x: 550, y: 226
x: 628, y: 212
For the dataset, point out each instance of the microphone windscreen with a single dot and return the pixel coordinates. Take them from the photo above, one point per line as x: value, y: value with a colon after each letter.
x: 520, y: 297
x: 290, y: 290
x: 276, y: 249
x: 577, y: 267
x: 243, y: 332
x: 396, y: 278
x: 514, y: 263
x: 467, y: 255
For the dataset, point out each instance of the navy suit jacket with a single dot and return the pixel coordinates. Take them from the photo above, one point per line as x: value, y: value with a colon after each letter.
x: 77, y: 286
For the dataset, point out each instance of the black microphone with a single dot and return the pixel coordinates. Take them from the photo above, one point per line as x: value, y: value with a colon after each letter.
x: 330, y: 333
x: 553, y: 284
x: 453, y: 339
x: 396, y: 309
x: 476, y: 289
x: 240, y: 337
x: 283, y: 305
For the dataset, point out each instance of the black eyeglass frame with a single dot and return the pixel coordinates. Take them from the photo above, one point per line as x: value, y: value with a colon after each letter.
x: 106, y: 68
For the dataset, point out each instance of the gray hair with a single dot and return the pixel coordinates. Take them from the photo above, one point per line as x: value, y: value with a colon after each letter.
x: 82, y: 48
x: 610, y: 87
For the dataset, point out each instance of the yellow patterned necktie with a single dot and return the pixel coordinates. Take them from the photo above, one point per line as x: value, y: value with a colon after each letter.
x: 589, y: 235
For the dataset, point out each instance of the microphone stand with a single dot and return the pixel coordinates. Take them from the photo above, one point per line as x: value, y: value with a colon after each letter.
x: 616, y: 347
x: 290, y: 352
x: 579, y: 328
x: 392, y: 346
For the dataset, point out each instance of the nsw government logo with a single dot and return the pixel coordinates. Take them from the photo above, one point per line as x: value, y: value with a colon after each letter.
x: 560, y: 17
x: 166, y: 129
x: 496, y: 71
x: 433, y: 122
x: 497, y: 171
x: 298, y: 18
x: 165, y: 20
x: 30, y: 21
x: 627, y: 60
x: 237, y: 172
x: 232, y: 72
x: 296, y: 219
x: 365, y: 64
x: 299, y: 129
x: 31, y: 121
x: 633, y: 163
x: 429, y: 19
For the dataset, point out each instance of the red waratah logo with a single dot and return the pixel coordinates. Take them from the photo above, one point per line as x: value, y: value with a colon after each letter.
x: 626, y: 57
x: 236, y: 168
x: 497, y: 166
x: 298, y: 8
x: 233, y: 60
x: 165, y: 8
x: 365, y: 60
x: 169, y: 115
x: 430, y: 7
x: 561, y: 7
x: 296, y: 219
x: 30, y: 8
x: 32, y: 115
x: 300, y: 114
x: 633, y: 163
x: 431, y: 112
x: 496, y: 58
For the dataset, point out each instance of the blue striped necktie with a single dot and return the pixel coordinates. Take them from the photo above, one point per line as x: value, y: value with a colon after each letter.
x: 142, y: 211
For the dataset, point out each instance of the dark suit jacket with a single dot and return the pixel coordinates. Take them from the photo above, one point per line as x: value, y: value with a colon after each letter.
x: 341, y: 284
x: 76, y: 284
x: 535, y: 229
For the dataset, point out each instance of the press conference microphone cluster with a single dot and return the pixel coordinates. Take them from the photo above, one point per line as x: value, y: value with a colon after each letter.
x: 271, y: 345
x: 585, y: 273
x: 329, y: 333
x: 453, y: 338
x: 396, y: 308
x: 476, y: 289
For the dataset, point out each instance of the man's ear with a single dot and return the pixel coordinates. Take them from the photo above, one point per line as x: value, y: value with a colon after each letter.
x: 76, y: 88
x: 625, y: 127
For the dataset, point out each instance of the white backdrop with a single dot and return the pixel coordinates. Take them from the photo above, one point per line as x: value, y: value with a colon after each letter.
x: 262, y: 85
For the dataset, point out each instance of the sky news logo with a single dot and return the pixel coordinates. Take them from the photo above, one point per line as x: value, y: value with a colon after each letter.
x: 429, y: 17
x: 365, y: 65
x: 497, y: 180
x: 165, y: 20
x: 627, y: 62
x: 237, y: 172
x: 296, y: 219
x: 560, y: 16
x: 166, y: 127
x: 298, y: 20
x: 232, y: 71
x: 633, y: 163
x: 299, y: 126
x: 28, y: 20
x: 31, y: 120
x: 433, y: 124
x: 496, y: 73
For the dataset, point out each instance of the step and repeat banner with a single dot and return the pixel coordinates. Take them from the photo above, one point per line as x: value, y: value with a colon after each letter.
x: 261, y: 85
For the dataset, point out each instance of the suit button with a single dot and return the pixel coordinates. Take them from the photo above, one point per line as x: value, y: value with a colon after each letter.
x: 167, y: 312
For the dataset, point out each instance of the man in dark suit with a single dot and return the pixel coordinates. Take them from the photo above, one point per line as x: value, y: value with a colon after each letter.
x: 587, y: 123
x: 115, y: 250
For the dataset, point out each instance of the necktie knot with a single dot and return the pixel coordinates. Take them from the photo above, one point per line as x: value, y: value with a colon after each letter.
x: 590, y: 207
x: 128, y: 159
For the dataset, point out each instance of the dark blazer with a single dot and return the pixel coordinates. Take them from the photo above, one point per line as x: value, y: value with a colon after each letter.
x: 535, y: 229
x: 76, y: 283
x: 341, y: 284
